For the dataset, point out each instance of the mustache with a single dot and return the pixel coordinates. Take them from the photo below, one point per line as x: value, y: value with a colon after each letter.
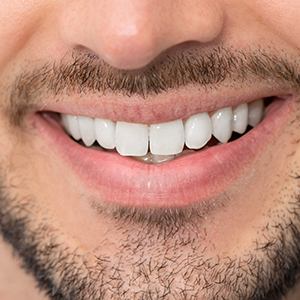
x: 85, y: 73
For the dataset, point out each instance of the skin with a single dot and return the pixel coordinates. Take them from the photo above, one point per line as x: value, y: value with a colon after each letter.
x: 130, y: 35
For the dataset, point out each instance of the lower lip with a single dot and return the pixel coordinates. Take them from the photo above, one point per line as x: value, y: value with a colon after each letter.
x: 185, y: 181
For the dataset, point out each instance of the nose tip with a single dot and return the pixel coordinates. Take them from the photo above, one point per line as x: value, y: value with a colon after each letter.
x: 128, y: 44
x: 130, y: 34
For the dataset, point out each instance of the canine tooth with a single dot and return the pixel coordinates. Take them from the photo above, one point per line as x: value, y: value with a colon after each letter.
x: 167, y: 138
x: 86, y: 127
x: 74, y: 127
x: 105, y: 133
x: 131, y: 139
x: 198, y: 130
x: 222, y: 121
x: 64, y: 120
x: 256, y: 112
x: 240, y: 118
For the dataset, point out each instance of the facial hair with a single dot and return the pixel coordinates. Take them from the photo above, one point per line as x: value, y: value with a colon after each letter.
x: 154, y: 260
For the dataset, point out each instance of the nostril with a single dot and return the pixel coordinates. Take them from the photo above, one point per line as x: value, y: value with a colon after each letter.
x: 131, y: 34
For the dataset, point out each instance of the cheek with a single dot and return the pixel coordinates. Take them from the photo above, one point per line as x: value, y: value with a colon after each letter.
x: 280, y: 16
x: 19, y: 20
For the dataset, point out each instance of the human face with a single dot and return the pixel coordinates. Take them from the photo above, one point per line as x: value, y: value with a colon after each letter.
x: 220, y: 222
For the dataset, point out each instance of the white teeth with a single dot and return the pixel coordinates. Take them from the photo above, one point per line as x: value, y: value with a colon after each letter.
x: 256, y: 112
x: 167, y: 138
x: 64, y: 120
x: 131, y: 139
x: 105, y: 133
x: 150, y: 158
x: 240, y: 118
x: 74, y: 127
x: 222, y: 123
x: 198, y: 130
x: 87, y: 131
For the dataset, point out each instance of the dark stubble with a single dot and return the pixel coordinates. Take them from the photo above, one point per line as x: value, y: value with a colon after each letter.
x: 160, y: 255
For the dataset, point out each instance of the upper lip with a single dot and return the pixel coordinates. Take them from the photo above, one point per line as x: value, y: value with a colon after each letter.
x: 241, y: 78
x: 161, y: 108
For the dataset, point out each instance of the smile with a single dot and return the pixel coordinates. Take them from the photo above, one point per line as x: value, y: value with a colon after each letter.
x: 193, y: 177
x: 163, y: 142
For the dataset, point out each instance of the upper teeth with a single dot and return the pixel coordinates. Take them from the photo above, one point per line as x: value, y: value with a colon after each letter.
x: 132, y: 139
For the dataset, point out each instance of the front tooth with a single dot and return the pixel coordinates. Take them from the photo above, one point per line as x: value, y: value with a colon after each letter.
x: 198, y: 130
x: 256, y: 112
x: 131, y: 139
x: 74, y: 127
x: 222, y: 122
x: 105, y: 133
x: 240, y: 118
x: 86, y: 127
x: 167, y: 138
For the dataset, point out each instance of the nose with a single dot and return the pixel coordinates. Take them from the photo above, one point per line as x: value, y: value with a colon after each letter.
x: 129, y: 34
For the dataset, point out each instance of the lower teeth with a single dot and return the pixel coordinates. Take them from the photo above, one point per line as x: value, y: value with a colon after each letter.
x: 150, y: 158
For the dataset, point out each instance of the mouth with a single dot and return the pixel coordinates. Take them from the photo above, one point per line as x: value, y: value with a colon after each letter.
x: 171, y: 164
x: 160, y: 143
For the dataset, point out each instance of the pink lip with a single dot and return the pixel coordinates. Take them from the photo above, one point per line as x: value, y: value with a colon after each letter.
x: 158, y: 109
x: 182, y: 182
